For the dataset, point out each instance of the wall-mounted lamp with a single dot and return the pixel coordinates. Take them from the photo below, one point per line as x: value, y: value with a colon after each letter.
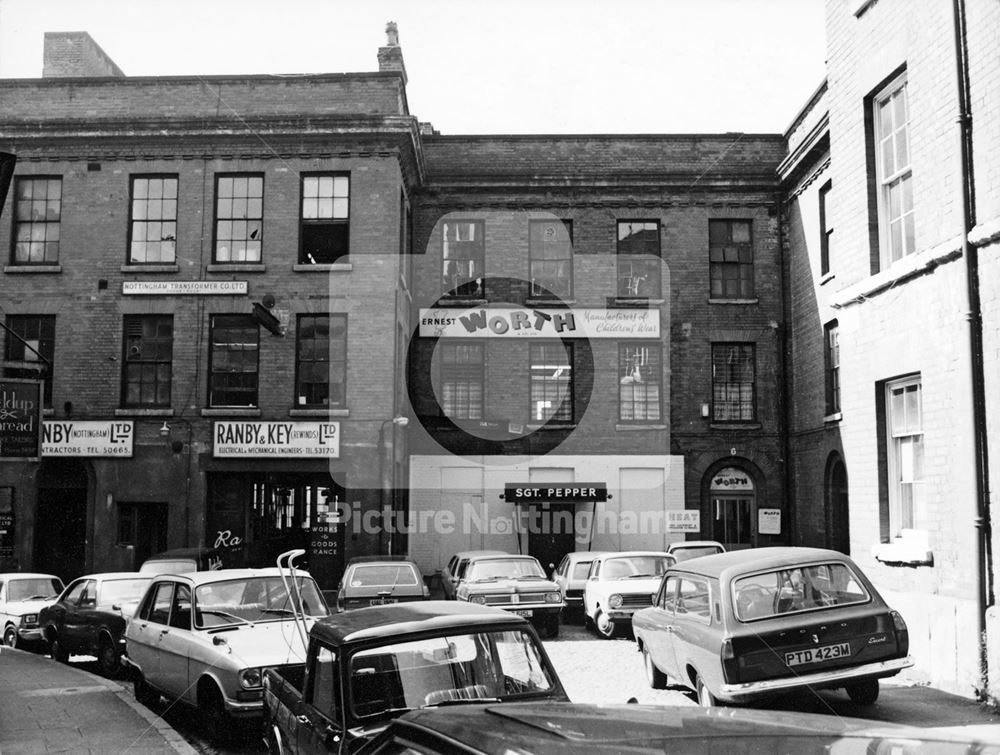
x: 164, y: 429
x: 704, y: 410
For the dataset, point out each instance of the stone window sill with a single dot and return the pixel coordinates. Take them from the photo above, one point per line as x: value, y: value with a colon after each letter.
x: 19, y: 269
x: 146, y: 269
x: 232, y: 412
x: 319, y: 412
x: 336, y: 267
x: 911, y: 548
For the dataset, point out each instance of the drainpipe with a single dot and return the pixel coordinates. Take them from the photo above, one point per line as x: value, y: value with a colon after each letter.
x: 970, y: 255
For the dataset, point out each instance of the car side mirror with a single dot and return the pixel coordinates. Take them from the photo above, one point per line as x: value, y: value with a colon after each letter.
x: 116, y: 607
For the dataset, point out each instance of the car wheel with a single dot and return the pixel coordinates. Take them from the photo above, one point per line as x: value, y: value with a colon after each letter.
x: 705, y: 698
x: 864, y: 693
x: 605, y: 625
x: 216, y: 721
x: 656, y: 678
x: 144, y: 694
x: 58, y: 650
x: 108, y: 659
x: 11, y: 638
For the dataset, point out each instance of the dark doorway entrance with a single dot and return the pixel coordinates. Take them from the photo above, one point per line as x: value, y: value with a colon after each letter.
x: 551, y: 533
x: 61, y: 519
x: 838, y: 533
x: 144, y: 527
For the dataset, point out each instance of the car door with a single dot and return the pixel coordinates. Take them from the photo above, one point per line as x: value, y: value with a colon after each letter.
x: 56, y: 613
x: 77, y: 619
x: 694, y: 638
x: 141, y: 636
x: 176, y: 641
x: 658, y: 627
x: 321, y: 704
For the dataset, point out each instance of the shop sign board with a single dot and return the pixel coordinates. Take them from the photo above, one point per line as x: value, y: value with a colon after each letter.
x: 572, y: 492
x: 20, y: 419
x: 286, y: 440
x: 88, y: 438
x: 507, y: 322
x: 688, y: 520
x: 167, y: 288
x: 768, y: 521
x: 7, y: 530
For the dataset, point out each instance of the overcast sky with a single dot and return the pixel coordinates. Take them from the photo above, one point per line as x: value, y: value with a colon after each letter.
x: 476, y: 66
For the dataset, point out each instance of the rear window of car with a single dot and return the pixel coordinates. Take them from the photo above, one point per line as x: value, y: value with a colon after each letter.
x: 796, y: 588
x: 379, y: 575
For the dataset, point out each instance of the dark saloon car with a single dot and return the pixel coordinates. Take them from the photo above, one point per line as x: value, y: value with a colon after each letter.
x: 377, y: 581
x: 744, y: 625
x: 516, y: 584
x: 583, y: 729
x: 89, y: 617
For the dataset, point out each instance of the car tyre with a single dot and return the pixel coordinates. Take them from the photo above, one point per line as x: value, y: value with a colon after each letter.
x: 58, y: 650
x: 864, y: 693
x: 144, y: 694
x: 705, y: 698
x: 605, y: 625
x: 11, y: 638
x: 656, y: 678
x: 214, y: 717
x: 108, y: 659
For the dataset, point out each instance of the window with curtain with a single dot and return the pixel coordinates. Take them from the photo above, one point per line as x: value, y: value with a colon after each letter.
x: 233, y: 370
x: 734, y: 382
x: 640, y: 375
x: 461, y: 379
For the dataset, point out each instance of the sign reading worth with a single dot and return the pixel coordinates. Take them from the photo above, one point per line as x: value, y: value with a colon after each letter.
x: 160, y: 288
x: 20, y: 419
x: 90, y: 438
x: 505, y: 322
x: 282, y: 439
x: 571, y: 492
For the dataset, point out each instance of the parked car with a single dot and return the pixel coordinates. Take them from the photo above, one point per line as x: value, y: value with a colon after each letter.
x: 367, y: 666
x: 686, y: 549
x: 514, y: 583
x: 453, y: 571
x: 205, y: 638
x: 739, y: 626
x: 571, y: 576
x: 584, y: 729
x: 375, y: 581
x: 22, y: 596
x: 89, y: 617
x: 183, y: 560
x: 618, y: 585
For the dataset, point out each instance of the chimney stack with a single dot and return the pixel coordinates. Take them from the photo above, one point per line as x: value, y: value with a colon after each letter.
x: 69, y: 54
x: 390, y: 57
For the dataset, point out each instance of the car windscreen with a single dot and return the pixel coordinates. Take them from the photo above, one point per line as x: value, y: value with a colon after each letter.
x: 248, y: 600
x: 504, y: 568
x: 485, y: 666
x: 796, y: 588
x: 36, y: 588
x: 580, y: 569
x: 383, y: 575
x: 635, y: 567
x: 123, y: 590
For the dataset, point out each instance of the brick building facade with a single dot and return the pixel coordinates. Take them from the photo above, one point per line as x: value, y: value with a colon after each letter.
x: 890, y: 436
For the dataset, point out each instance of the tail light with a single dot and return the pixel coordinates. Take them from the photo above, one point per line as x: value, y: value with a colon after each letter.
x: 727, y: 650
x: 902, y: 633
x: 730, y: 667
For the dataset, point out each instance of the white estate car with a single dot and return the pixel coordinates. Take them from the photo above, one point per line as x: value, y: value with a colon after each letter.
x: 22, y: 596
x: 206, y: 637
x: 619, y: 584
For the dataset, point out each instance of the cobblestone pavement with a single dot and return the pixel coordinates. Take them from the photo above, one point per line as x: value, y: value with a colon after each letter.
x: 595, y: 670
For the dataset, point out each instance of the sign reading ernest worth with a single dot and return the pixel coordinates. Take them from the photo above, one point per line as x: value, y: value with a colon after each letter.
x: 20, y: 419
x: 504, y: 322
x: 283, y: 439
x: 90, y: 438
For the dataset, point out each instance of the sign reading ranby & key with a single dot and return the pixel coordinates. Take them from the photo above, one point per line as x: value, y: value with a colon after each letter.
x: 309, y: 440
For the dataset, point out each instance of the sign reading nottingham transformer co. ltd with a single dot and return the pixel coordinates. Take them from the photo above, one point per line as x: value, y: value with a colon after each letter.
x: 510, y: 322
x: 284, y: 440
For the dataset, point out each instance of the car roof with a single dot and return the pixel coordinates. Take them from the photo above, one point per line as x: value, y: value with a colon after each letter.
x: 108, y: 575
x: 26, y: 575
x: 379, y: 559
x: 178, y: 553
x: 695, y: 544
x: 615, y: 554
x: 470, y: 554
x: 223, y: 575
x: 397, y: 619
x: 581, y: 555
x: 754, y: 559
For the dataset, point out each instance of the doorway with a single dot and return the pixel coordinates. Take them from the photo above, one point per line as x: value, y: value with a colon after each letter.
x: 61, y: 519
x: 551, y: 533
x: 733, y: 506
x: 838, y: 534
